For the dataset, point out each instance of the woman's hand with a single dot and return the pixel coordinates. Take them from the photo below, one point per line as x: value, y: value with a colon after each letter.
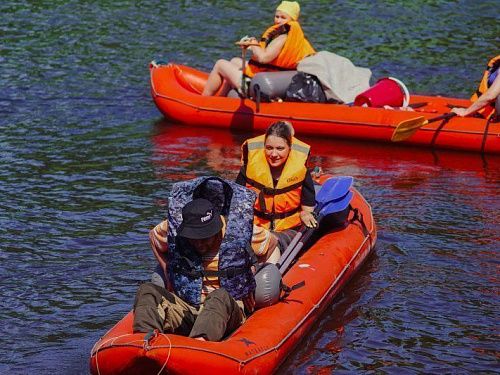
x: 459, y: 111
x: 308, y: 219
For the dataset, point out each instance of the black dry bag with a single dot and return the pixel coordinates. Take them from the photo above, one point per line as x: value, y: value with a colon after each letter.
x: 305, y: 88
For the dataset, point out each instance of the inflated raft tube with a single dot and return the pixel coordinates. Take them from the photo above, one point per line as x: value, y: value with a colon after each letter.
x: 271, y: 85
x: 262, y: 343
x: 176, y: 90
x: 267, y: 86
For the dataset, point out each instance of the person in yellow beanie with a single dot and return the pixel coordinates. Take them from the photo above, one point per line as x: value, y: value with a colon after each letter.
x: 292, y: 8
x: 281, y: 47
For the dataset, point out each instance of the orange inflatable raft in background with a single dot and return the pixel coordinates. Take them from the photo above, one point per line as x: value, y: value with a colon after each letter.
x: 264, y: 341
x: 176, y: 92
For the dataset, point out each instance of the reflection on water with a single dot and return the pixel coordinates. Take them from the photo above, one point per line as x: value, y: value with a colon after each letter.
x: 86, y: 165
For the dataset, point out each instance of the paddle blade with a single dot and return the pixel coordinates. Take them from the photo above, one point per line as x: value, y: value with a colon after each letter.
x: 337, y: 205
x: 333, y: 188
x: 407, y: 128
x: 334, y: 196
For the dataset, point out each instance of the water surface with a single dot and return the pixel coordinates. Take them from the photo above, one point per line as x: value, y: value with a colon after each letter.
x: 86, y: 164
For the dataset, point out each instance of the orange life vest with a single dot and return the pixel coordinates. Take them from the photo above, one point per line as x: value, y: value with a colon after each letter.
x: 295, y: 49
x: 277, y: 207
x: 493, y: 65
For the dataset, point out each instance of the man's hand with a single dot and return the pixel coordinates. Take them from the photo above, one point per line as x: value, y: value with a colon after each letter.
x: 168, y: 284
x: 249, y: 302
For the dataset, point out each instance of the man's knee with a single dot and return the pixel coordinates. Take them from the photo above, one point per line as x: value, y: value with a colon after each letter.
x: 151, y: 294
x: 218, y: 297
x: 220, y: 316
x: 220, y: 301
x: 147, y: 316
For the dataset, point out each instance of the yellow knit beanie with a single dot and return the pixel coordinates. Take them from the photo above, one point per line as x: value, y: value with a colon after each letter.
x: 292, y: 8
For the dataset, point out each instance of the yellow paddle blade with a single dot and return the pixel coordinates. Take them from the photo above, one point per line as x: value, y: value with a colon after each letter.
x: 407, y: 128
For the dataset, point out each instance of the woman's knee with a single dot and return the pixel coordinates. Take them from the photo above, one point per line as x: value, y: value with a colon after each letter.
x: 221, y: 64
x: 236, y: 61
x: 226, y: 68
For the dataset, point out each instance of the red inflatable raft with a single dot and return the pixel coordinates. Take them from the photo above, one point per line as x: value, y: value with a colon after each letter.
x: 176, y: 92
x: 263, y: 342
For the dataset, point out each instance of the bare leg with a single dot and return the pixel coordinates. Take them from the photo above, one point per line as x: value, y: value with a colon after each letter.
x: 226, y: 86
x: 223, y: 70
x: 236, y: 61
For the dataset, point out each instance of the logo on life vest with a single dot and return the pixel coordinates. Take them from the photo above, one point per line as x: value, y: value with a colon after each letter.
x: 291, y: 179
x: 207, y: 216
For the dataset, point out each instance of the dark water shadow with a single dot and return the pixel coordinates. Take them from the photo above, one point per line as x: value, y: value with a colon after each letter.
x: 243, y: 117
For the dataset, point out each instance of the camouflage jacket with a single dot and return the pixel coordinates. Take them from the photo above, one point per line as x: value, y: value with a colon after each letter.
x: 233, y: 201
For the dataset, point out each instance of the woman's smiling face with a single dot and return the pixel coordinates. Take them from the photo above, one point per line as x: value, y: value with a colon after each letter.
x: 277, y: 150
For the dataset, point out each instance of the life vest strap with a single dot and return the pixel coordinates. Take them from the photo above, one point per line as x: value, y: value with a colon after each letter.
x: 264, y: 190
x: 280, y: 30
x: 289, y: 289
x: 229, y: 272
x: 275, y: 216
x: 271, y: 191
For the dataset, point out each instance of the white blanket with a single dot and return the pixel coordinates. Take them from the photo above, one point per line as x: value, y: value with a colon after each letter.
x: 340, y: 78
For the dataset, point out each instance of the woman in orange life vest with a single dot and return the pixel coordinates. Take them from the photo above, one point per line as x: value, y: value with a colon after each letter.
x: 282, y: 46
x: 488, y: 91
x: 274, y: 166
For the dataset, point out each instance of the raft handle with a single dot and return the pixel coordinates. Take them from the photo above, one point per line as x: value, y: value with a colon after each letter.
x: 151, y: 335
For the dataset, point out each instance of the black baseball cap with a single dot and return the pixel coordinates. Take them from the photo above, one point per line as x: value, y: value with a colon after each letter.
x: 200, y: 220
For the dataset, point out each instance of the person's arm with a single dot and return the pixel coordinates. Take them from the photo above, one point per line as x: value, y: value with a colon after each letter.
x: 490, y: 95
x: 264, y: 243
x: 268, y: 54
x: 159, y: 245
x: 249, y: 302
x: 240, y: 179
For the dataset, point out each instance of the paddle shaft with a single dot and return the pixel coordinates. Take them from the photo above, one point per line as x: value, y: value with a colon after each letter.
x: 331, y: 191
x: 302, y: 238
x: 287, y: 254
x: 243, y: 58
x: 244, y: 46
x: 446, y: 116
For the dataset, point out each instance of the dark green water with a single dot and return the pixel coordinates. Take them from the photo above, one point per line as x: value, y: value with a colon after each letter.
x: 86, y: 164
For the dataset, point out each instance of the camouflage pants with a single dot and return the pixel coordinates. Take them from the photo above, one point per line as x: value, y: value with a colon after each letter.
x: 157, y: 308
